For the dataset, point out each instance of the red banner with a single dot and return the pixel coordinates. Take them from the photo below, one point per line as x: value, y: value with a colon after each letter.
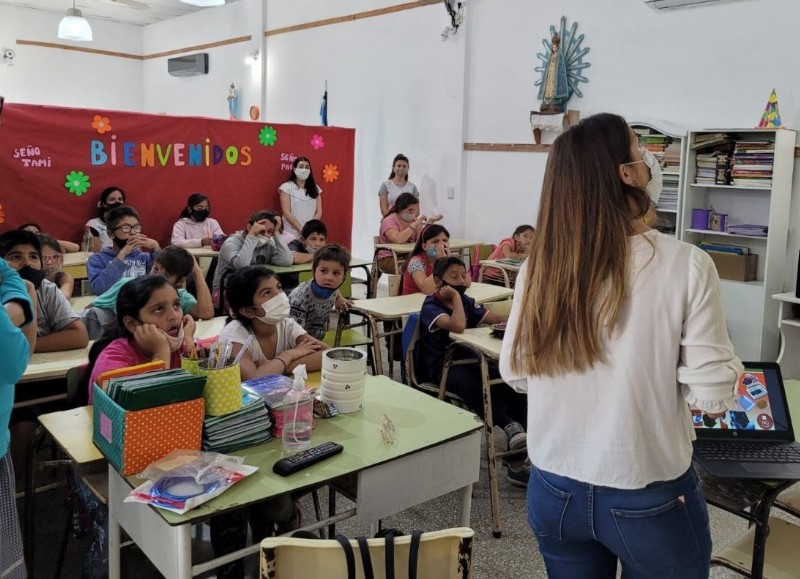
x: 55, y: 161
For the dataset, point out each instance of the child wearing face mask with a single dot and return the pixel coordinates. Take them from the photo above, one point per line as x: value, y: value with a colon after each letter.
x: 151, y: 326
x: 259, y: 307
x: 402, y: 224
x: 131, y: 254
x: 313, y: 300
x: 52, y: 264
x: 433, y: 244
x: 448, y: 309
x: 257, y: 244
x: 195, y: 228
x: 301, y: 198
x: 110, y: 198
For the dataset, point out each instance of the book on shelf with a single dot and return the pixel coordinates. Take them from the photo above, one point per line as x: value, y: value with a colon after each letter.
x: 724, y: 248
x: 711, y: 140
x: 752, y: 164
x: 749, y: 229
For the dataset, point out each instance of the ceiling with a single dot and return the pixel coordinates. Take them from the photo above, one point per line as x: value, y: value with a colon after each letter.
x: 116, y: 10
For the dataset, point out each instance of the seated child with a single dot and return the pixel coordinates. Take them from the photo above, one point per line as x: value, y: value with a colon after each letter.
x: 151, y: 327
x: 313, y: 300
x: 447, y: 310
x: 514, y: 247
x: 260, y: 308
x: 58, y: 328
x: 312, y: 237
x: 173, y: 263
x: 257, y: 244
x: 64, y: 246
x: 125, y: 257
x: 52, y: 263
x: 433, y: 244
x: 194, y: 227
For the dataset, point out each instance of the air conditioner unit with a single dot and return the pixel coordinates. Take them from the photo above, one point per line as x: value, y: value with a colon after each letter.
x: 190, y: 65
x: 678, y: 4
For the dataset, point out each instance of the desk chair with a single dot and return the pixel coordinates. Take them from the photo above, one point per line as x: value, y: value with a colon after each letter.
x: 397, y: 264
x: 445, y: 554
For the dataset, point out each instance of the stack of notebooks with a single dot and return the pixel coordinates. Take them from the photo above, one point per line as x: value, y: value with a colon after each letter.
x: 724, y: 248
x: 246, y: 427
x: 151, y: 389
x: 668, y: 201
x: 748, y: 229
x: 714, y: 141
x: 672, y: 157
x: 707, y: 168
x: 752, y: 164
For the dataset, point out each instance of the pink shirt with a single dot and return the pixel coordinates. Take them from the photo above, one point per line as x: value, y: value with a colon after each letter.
x: 189, y: 233
x: 121, y: 353
x: 493, y: 272
x: 393, y: 221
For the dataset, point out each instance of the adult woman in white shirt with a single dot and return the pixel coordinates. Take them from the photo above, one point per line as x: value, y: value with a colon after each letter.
x: 614, y: 329
x: 301, y: 199
x: 396, y: 184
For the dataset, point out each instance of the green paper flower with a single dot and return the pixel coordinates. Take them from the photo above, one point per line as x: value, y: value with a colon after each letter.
x: 77, y: 183
x: 268, y: 136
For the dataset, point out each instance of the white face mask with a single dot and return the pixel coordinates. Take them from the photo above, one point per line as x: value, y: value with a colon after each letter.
x: 275, y: 309
x: 302, y: 174
x: 656, y: 182
x: 262, y: 240
x: 176, y: 342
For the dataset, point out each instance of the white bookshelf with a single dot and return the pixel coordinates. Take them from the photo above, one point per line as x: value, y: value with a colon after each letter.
x: 750, y: 311
x: 669, y: 217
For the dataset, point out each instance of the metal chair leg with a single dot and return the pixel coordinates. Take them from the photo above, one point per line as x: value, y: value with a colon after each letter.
x: 29, y: 508
x: 317, y: 510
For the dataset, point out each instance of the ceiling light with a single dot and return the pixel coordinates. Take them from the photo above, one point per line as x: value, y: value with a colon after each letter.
x: 204, y: 3
x: 74, y: 26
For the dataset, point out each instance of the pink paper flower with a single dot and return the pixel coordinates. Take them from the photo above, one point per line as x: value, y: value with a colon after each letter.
x: 317, y: 141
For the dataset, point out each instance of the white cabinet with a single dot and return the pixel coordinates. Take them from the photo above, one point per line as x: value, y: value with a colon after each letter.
x: 750, y: 312
x: 667, y: 141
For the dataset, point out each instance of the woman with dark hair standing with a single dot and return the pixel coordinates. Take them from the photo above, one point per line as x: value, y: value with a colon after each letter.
x: 614, y: 331
x: 301, y: 198
x: 110, y: 197
x: 396, y: 184
x: 195, y: 228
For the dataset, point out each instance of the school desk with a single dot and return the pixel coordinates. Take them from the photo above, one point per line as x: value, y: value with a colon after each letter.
x: 52, y: 365
x: 387, y: 309
x: 203, y: 251
x: 484, y: 348
x: 75, y: 264
x: 507, y: 269
x: 435, y: 450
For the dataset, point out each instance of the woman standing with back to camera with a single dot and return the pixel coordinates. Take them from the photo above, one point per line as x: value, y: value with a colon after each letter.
x: 614, y: 329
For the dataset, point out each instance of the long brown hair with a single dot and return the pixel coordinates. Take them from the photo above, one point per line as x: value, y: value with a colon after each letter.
x: 578, y: 262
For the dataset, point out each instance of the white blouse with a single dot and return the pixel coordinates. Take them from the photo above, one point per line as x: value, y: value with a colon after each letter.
x: 625, y: 423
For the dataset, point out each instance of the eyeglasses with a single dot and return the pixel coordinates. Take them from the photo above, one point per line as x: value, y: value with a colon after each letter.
x: 55, y: 258
x: 129, y: 228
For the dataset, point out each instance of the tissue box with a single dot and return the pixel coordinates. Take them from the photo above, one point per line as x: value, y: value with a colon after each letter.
x: 132, y: 439
x: 735, y: 267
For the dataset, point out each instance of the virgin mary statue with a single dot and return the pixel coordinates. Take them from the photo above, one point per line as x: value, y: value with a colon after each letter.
x: 554, y: 90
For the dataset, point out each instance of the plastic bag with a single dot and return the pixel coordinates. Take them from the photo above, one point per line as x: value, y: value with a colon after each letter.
x: 185, y: 479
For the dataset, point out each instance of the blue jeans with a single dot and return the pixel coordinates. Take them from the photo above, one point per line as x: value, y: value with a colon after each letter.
x: 659, y: 531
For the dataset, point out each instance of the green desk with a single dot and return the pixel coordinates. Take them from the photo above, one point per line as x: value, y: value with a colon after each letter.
x: 436, y: 451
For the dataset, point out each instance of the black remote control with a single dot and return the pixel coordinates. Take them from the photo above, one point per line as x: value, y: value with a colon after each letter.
x: 305, y: 458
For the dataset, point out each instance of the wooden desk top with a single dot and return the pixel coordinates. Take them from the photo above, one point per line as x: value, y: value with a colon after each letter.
x: 403, y: 248
x: 77, y: 258
x: 391, y: 308
x: 482, y: 339
x: 299, y: 267
x: 500, y: 264
x: 202, y: 251
x: 72, y: 429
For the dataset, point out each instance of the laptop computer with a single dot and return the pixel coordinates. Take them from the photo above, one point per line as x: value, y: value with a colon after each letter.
x: 755, y: 441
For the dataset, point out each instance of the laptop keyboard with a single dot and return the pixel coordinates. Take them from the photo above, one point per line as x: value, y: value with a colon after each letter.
x: 743, y: 451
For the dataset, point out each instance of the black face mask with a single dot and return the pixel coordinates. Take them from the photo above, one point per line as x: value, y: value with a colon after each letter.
x: 461, y: 289
x: 200, y: 215
x: 35, y: 276
x: 119, y: 243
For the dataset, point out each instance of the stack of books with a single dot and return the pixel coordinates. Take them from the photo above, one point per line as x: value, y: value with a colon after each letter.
x: 752, y: 164
x: 158, y: 388
x: 668, y: 201
x: 246, y: 427
x: 672, y: 157
x: 748, y: 229
x: 656, y: 144
x: 712, y: 141
x: 272, y: 389
x: 706, y: 168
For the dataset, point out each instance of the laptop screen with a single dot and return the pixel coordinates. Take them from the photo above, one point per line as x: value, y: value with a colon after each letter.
x: 761, y: 407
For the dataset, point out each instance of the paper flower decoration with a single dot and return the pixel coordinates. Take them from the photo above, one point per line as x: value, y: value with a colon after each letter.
x: 77, y: 183
x: 317, y: 142
x: 330, y: 173
x: 101, y: 124
x: 268, y: 136
x: 2, y: 215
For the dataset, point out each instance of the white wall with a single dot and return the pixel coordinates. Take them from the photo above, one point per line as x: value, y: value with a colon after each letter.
x: 68, y: 78
x: 205, y: 95
x: 392, y: 79
x: 704, y: 67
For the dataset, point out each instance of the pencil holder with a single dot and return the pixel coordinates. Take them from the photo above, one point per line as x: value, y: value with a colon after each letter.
x: 223, y: 391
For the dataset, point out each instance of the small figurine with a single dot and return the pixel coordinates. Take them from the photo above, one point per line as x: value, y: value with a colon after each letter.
x: 233, y: 102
